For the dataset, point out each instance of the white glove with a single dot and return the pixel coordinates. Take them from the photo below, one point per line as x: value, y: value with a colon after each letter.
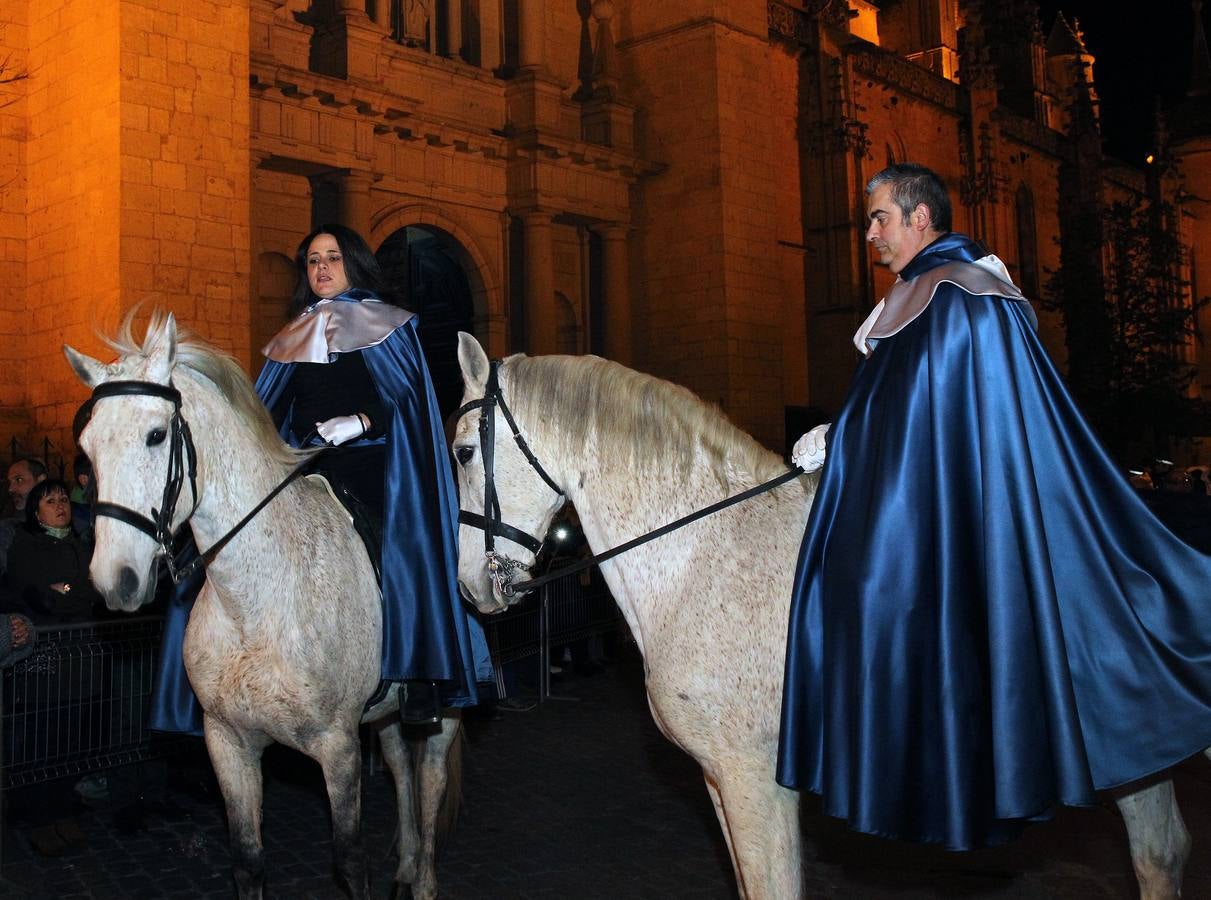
x: 341, y: 429
x: 809, y: 449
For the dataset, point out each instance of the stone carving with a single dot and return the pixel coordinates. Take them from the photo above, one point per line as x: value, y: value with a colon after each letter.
x: 416, y: 22
x: 907, y: 76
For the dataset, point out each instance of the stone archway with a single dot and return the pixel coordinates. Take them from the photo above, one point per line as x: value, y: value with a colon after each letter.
x: 428, y: 270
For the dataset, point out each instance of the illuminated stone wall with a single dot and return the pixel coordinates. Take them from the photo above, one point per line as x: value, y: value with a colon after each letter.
x: 14, y: 126
x: 132, y: 185
x: 686, y: 198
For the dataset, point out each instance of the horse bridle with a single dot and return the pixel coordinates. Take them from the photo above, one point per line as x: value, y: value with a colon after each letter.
x: 182, y: 462
x: 501, y: 568
x: 159, y: 525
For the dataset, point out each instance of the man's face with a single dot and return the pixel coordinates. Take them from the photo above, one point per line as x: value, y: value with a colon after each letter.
x: 895, y: 238
x: 20, y: 482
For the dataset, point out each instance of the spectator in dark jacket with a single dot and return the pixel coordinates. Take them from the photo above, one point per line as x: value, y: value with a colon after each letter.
x: 48, y: 562
x: 47, y: 579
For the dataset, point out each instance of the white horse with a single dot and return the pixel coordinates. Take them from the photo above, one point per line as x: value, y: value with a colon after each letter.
x: 282, y: 643
x: 708, y: 605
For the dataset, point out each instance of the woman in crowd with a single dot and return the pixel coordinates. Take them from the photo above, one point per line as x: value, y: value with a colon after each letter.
x: 48, y: 561
x: 348, y: 370
x: 48, y: 579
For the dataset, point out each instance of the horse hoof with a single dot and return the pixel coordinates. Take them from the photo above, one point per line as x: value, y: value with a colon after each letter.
x: 400, y: 891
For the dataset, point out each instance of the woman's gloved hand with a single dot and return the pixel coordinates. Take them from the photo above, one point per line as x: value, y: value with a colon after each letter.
x: 341, y: 429
x: 808, y: 453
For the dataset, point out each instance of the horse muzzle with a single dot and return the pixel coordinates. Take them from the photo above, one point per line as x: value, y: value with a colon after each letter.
x: 125, y: 590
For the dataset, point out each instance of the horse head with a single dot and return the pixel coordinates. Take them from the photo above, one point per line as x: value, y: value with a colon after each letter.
x: 507, y: 504
x: 131, y: 440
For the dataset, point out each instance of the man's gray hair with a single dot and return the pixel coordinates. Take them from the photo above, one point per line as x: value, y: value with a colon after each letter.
x: 913, y: 185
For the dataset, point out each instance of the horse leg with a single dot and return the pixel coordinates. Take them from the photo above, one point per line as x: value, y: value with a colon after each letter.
x: 339, y: 755
x: 399, y: 761
x: 717, y: 801
x: 1160, y: 844
x: 434, y: 782
x: 761, y: 822
x: 237, y: 765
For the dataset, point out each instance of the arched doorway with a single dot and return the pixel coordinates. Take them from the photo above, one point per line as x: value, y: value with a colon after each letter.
x: 427, y: 269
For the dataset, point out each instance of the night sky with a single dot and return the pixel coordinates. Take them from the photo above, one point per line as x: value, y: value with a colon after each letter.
x: 1141, y: 50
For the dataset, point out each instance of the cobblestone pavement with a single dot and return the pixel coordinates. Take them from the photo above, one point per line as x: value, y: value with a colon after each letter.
x: 579, y: 798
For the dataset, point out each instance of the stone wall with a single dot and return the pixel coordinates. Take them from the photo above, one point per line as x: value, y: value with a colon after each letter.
x: 15, y: 421
x: 74, y: 263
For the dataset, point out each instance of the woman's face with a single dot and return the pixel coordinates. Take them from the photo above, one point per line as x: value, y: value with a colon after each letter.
x: 54, y: 509
x: 325, y: 268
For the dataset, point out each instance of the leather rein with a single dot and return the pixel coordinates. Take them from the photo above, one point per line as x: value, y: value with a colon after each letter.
x: 502, y: 568
x: 182, y: 463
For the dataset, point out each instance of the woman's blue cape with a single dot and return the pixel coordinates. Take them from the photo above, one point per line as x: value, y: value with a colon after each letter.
x: 428, y: 633
x: 986, y: 619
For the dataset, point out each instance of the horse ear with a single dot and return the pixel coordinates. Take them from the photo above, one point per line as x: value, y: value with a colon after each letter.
x: 474, y: 363
x: 89, y: 370
x: 163, y: 355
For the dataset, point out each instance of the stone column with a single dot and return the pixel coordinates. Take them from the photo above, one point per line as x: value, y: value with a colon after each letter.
x: 353, y: 200
x: 616, y: 291
x: 380, y: 12
x: 541, y: 321
x: 489, y: 34
x: 454, y: 28
x: 531, y: 33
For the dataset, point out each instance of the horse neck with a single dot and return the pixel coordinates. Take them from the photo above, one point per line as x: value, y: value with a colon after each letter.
x: 234, y: 474
x: 617, y: 503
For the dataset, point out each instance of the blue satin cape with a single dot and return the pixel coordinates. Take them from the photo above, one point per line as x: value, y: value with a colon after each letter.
x: 427, y: 632
x: 986, y: 620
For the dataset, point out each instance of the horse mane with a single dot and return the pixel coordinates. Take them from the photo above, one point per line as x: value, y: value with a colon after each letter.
x: 212, y: 365
x: 643, y: 421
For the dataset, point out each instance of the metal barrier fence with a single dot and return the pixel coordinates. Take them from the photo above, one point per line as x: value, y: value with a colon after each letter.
x: 563, y: 611
x: 79, y: 703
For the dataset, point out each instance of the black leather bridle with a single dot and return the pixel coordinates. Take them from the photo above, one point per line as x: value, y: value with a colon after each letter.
x: 501, y: 569
x: 182, y: 463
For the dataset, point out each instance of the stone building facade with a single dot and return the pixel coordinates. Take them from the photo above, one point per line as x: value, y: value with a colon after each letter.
x: 676, y: 185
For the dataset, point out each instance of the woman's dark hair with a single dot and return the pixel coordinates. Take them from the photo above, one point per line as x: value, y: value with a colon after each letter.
x: 41, y: 489
x: 361, y: 268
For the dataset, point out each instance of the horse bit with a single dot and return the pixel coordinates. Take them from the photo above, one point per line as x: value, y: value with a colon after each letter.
x: 501, y: 569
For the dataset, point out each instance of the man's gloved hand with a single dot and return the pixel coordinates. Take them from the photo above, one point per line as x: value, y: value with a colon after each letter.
x: 341, y: 429
x: 809, y: 449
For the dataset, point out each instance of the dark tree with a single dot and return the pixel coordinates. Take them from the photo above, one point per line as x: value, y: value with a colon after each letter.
x: 1128, y: 349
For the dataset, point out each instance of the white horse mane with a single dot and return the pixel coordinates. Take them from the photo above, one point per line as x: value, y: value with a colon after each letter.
x: 209, y: 364
x: 649, y: 422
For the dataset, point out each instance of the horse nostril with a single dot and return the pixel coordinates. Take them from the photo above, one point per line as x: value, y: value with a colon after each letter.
x: 128, y: 583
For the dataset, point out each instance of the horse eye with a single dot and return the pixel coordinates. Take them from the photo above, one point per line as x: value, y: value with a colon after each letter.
x: 156, y: 436
x: 464, y: 454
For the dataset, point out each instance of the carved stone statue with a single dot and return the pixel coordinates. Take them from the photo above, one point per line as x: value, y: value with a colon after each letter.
x: 416, y: 22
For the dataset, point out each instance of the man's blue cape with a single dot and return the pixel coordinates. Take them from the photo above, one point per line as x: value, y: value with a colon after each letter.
x: 986, y: 620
